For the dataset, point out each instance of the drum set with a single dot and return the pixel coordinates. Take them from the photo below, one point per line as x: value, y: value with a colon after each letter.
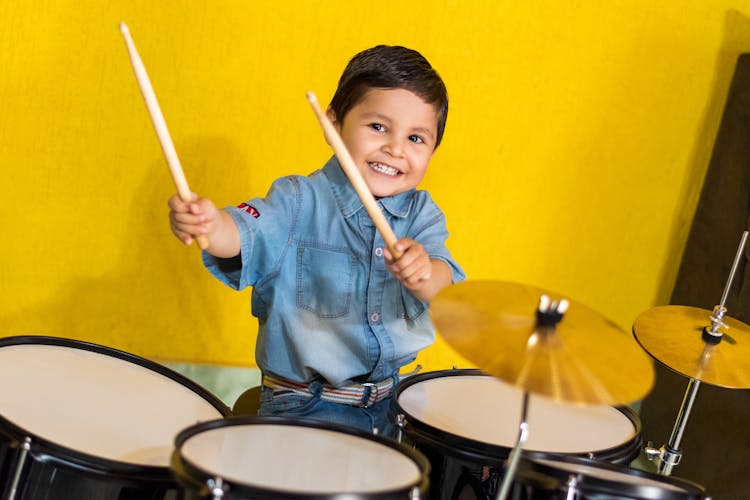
x: 544, y: 417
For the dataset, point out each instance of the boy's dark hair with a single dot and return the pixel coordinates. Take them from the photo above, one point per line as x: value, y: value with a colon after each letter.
x: 391, y: 67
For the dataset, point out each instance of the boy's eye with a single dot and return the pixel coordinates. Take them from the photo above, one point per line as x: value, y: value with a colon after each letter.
x: 416, y: 139
x: 377, y: 126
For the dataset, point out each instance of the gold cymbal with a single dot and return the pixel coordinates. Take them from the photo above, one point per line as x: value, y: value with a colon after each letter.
x: 585, y: 359
x: 673, y: 336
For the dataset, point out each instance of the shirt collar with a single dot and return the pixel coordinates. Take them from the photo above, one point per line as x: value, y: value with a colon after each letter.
x: 349, y: 203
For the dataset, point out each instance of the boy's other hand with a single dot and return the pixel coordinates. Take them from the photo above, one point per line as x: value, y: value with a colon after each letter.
x: 413, y: 267
x: 422, y: 276
x: 189, y: 219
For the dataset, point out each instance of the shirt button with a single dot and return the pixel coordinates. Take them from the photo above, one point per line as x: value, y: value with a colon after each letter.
x: 374, y: 317
x: 379, y: 252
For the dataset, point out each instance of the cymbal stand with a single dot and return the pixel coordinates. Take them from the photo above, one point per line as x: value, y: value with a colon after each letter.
x: 515, y: 454
x: 548, y: 314
x: 669, y: 455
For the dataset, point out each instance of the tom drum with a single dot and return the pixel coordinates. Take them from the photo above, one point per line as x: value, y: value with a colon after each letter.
x: 466, y: 423
x: 274, y: 457
x: 84, y: 421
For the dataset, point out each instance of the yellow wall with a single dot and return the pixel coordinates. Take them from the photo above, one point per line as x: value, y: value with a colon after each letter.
x: 577, y: 141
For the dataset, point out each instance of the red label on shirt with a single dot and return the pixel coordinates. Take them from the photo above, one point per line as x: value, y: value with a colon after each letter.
x: 249, y: 209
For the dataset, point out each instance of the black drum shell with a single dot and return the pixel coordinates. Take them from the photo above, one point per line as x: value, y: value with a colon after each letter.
x: 194, y: 480
x: 546, y: 477
x: 54, y: 471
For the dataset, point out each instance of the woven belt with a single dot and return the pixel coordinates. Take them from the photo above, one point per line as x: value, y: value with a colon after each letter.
x: 363, y: 395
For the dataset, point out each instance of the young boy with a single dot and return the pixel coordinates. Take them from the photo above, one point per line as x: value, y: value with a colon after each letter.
x: 338, y: 314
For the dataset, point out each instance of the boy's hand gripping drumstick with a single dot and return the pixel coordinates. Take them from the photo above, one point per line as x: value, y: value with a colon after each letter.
x: 159, y: 125
x: 350, y: 169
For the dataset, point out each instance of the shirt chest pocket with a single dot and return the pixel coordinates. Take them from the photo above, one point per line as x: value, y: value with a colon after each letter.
x: 325, y: 280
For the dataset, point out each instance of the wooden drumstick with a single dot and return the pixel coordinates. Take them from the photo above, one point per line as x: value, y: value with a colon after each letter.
x: 355, y: 177
x: 159, y: 125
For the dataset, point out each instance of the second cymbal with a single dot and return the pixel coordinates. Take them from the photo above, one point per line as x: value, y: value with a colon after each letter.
x: 673, y: 335
x: 588, y: 359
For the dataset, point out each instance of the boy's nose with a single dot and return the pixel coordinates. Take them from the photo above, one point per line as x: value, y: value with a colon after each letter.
x: 394, y: 147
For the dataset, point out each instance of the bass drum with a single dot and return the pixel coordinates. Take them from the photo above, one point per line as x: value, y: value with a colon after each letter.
x: 83, y: 421
x: 260, y: 458
x: 466, y: 423
x: 567, y: 478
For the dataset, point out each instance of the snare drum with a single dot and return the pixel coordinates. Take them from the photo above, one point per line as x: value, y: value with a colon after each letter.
x: 466, y: 423
x: 83, y: 421
x: 254, y: 458
x: 562, y: 478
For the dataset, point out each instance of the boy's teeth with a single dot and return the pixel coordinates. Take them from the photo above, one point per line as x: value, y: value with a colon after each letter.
x: 384, y: 168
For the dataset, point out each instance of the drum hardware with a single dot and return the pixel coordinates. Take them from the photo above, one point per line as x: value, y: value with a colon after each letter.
x: 572, y: 487
x: 669, y: 455
x: 216, y: 487
x: 670, y: 335
x: 515, y: 454
x: 25, y: 448
x: 400, y: 424
x: 548, y: 315
x: 663, y: 454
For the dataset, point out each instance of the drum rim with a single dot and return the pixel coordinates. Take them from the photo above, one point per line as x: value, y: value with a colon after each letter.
x: 191, y: 474
x: 49, y: 451
x: 460, y: 446
x: 534, y: 462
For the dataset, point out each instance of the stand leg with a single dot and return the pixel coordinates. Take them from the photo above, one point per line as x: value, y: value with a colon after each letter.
x: 515, y: 454
x: 670, y: 454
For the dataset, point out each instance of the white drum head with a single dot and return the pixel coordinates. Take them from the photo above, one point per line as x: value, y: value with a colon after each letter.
x: 96, y: 404
x: 299, y: 459
x: 488, y: 410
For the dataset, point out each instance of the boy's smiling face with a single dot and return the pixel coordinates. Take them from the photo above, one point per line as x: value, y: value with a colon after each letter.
x: 390, y: 134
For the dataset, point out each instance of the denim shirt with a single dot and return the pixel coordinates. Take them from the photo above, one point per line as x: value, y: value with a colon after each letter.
x: 327, y: 307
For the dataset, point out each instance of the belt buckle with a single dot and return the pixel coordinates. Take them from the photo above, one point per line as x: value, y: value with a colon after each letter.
x: 371, y: 394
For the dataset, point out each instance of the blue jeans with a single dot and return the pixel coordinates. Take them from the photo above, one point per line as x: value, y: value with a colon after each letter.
x: 373, y: 419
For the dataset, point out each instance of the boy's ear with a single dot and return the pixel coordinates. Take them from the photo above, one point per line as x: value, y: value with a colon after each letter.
x: 332, y: 117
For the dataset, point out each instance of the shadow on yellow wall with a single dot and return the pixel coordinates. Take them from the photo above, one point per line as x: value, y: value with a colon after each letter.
x: 156, y: 282
x: 734, y: 41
